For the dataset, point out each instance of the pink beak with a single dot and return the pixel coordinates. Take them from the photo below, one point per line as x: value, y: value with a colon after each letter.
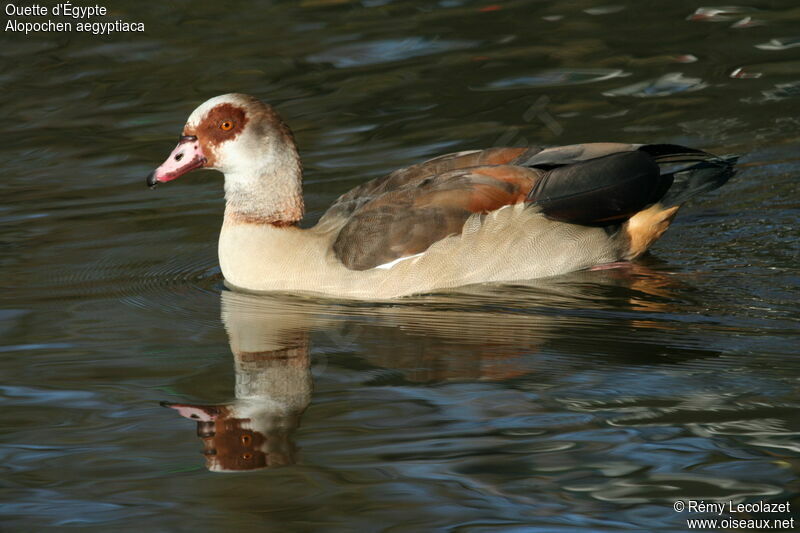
x: 185, y: 157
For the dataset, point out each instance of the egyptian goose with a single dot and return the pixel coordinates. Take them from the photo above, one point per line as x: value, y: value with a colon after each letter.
x: 494, y: 215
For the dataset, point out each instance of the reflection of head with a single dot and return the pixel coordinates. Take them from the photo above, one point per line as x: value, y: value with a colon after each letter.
x: 234, y: 442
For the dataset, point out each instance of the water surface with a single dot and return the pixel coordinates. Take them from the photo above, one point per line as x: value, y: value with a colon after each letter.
x: 588, y: 402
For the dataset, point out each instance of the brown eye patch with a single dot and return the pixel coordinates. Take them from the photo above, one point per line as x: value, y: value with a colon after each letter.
x: 223, y: 123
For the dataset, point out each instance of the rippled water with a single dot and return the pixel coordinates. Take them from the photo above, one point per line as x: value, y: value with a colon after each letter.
x: 591, y: 401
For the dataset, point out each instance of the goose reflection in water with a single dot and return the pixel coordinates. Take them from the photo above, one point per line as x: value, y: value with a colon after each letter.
x: 273, y: 388
x: 482, y: 333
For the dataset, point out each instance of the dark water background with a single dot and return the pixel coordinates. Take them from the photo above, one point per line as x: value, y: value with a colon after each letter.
x: 590, y: 402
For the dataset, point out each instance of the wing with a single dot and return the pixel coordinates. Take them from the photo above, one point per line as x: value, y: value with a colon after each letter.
x: 603, y: 184
x: 408, y: 219
x: 346, y: 204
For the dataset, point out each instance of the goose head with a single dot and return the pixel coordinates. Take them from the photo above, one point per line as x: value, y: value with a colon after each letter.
x: 236, y: 134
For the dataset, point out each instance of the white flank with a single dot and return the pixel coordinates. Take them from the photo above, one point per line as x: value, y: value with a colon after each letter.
x: 390, y: 264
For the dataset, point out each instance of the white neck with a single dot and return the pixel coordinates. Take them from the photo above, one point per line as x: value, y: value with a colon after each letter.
x: 267, y: 188
x: 266, y: 200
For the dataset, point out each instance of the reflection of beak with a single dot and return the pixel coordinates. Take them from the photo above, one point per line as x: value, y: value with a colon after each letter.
x: 185, y: 157
x: 201, y: 413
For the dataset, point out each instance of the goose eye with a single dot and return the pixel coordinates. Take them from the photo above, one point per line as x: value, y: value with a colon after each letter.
x: 225, y: 126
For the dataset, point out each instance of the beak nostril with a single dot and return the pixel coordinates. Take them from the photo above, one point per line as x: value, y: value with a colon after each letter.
x: 178, y: 157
